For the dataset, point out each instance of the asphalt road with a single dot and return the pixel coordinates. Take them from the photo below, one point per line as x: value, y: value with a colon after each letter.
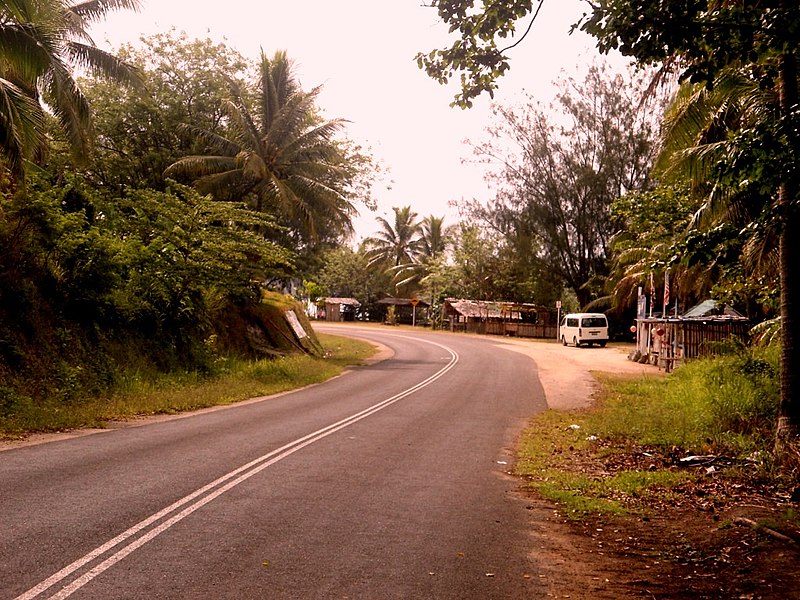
x: 388, y: 482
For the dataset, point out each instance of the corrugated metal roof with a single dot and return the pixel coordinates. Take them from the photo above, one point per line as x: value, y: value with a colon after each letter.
x: 401, y: 302
x: 476, y: 309
x: 710, y: 308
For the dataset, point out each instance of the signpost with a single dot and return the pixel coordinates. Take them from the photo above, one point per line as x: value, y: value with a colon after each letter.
x: 414, y: 302
x: 558, y: 319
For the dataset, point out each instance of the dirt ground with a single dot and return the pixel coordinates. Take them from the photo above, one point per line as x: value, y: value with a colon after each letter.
x: 700, y: 544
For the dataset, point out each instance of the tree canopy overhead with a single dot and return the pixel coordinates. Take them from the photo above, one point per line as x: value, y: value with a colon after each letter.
x: 485, y: 34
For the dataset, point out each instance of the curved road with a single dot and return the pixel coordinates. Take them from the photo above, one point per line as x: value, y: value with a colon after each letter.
x: 387, y: 482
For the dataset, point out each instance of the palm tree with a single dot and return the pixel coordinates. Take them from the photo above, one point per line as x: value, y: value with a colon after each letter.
x: 397, y: 247
x: 430, y: 247
x: 395, y: 244
x: 279, y: 153
x: 434, y: 237
x: 41, y: 44
x: 698, y: 136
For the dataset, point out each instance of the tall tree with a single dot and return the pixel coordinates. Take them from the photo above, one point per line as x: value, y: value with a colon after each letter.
x: 396, y: 246
x: 432, y: 244
x: 433, y: 237
x: 475, y: 263
x: 556, y: 187
x: 278, y: 153
x: 41, y: 43
x: 397, y: 243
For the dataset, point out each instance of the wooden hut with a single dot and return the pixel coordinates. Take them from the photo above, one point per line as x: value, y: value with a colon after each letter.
x: 500, y: 318
x: 667, y: 341
x: 339, y: 309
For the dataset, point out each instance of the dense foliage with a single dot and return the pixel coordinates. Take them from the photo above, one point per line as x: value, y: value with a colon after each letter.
x: 108, y: 266
x: 40, y: 45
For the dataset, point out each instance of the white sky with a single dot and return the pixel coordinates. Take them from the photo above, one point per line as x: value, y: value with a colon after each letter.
x: 362, y: 52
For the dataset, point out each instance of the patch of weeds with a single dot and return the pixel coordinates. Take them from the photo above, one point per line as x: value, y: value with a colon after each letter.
x: 636, y: 484
x: 576, y: 504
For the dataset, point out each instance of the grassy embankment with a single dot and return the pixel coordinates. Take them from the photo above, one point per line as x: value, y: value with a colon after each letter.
x: 138, y: 394
x: 625, y: 451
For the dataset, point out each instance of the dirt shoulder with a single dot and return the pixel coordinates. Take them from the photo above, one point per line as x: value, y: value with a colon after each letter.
x: 565, y: 372
x: 697, y: 542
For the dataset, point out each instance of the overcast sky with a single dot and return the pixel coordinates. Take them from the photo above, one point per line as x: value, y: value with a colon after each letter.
x: 362, y: 52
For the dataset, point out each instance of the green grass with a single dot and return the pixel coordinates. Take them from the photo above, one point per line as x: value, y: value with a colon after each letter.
x: 724, y: 406
x: 140, y: 394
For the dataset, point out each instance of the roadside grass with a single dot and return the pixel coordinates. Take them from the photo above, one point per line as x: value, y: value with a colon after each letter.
x: 564, y: 462
x: 621, y: 453
x: 142, y: 394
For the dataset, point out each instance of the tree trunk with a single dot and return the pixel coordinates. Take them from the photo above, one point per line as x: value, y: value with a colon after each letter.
x: 789, y: 416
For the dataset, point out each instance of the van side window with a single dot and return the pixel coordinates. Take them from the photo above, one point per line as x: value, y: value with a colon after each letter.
x: 572, y: 322
x: 594, y: 322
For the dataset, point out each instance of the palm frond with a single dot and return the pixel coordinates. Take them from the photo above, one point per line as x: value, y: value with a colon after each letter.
x: 95, y: 10
x: 195, y: 167
x: 220, y: 183
x: 278, y: 84
x: 221, y: 144
x: 767, y: 333
x: 21, y: 125
x: 104, y: 64
x: 70, y: 107
x: 25, y: 51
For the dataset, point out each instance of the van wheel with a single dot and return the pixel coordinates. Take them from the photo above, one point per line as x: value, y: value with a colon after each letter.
x: 602, y: 344
x: 563, y: 341
x: 575, y: 341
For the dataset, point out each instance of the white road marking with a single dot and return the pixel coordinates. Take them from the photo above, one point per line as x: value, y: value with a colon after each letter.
x: 207, y: 493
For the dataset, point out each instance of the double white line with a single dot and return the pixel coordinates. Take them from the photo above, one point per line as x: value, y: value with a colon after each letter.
x: 199, y: 498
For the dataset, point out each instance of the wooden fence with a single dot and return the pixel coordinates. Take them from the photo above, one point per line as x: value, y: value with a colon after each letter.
x: 528, y: 330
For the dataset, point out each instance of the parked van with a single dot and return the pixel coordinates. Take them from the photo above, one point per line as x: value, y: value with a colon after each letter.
x: 584, y: 328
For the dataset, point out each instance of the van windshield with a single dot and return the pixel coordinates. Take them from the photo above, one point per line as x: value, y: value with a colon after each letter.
x: 594, y: 322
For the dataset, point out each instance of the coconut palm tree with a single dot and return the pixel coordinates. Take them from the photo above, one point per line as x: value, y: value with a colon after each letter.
x: 42, y: 42
x: 744, y: 130
x: 278, y: 153
x: 699, y: 136
x: 396, y: 248
x: 395, y: 244
x: 430, y: 247
x: 434, y: 237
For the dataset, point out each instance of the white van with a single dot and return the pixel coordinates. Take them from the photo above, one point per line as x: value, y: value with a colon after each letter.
x: 584, y: 328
